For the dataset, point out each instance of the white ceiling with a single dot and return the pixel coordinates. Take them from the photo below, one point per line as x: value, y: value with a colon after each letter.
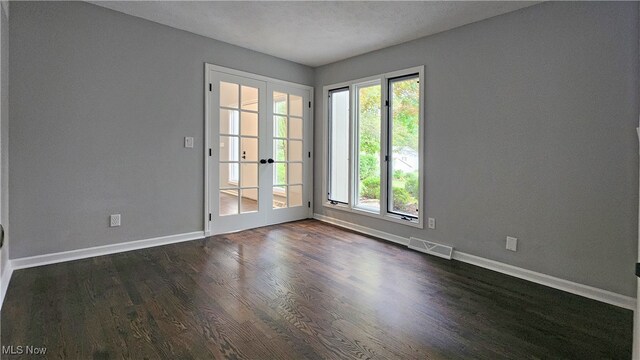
x: 314, y: 33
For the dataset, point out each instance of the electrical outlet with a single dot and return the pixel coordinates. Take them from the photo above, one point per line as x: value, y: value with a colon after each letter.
x: 512, y: 243
x: 432, y: 223
x: 188, y: 142
x: 114, y: 220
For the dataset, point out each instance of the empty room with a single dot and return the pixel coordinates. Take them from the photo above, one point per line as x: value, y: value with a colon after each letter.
x: 319, y: 180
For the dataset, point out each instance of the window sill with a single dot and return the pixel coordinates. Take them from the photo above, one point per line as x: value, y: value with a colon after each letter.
x: 417, y: 223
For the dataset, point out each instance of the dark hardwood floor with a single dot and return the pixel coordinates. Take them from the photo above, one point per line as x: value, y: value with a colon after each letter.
x: 295, y: 291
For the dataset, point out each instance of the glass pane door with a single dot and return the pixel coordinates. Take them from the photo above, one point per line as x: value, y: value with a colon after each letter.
x: 287, y: 150
x: 238, y: 138
x: 259, y: 163
x: 239, y: 148
x: 289, y: 117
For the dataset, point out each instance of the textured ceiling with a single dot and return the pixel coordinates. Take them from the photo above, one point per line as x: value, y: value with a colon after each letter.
x: 314, y: 33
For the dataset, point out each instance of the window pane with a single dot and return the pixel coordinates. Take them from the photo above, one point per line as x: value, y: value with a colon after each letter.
x: 249, y: 124
x: 229, y: 95
x: 229, y: 175
x: 295, y: 150
x: 229, y: 148
x: 295, y: 105
x: 368, y: 146
x: 279, y: 197
x: 295, y: 195
x: 295, y: 128
x: 249, y: 200
x: 279, y: 103
x: 249, y: 175
x: 280, y: 150
x: 295, y: 173
x: 249, y: 98
x: 228, y: 202
x: 404, y: 135
x: 229, y: 122
x: 249, y: 148
x: 280, y: 174
x: 280, y: 126
x: 339, y: 146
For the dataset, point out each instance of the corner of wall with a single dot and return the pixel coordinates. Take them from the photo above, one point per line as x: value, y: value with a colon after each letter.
x: 5, y: 264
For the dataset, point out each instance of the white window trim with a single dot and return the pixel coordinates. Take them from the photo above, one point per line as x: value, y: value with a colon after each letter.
x: 350, y: 207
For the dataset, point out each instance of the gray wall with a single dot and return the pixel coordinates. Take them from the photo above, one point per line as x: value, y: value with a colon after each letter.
x: 99, y: 105
x: 530, y: 132
x: 4, y: 138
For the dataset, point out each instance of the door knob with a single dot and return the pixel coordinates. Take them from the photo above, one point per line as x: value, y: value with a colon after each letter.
x: 263, y: 161
x: 270, y: 161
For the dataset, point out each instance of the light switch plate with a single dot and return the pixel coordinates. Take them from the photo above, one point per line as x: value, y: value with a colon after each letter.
x: 188, y: 142
x: 512, y: 243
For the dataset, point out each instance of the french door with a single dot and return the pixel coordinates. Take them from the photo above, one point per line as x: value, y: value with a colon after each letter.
x: 259, y: 162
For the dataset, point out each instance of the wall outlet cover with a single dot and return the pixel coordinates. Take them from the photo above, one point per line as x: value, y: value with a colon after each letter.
x: 432, y: 223
x: 512, y: 243
x: 114, y: 220
x: 188, y: 142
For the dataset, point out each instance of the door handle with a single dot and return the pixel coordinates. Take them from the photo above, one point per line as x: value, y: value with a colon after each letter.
x: 270, y: 161
x: 263, y: 161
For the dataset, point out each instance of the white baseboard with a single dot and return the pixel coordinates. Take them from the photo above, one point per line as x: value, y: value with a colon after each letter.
x: 363, y: 229
x: 39, y: 260
x: 4, y: 281
x: 587, y: 291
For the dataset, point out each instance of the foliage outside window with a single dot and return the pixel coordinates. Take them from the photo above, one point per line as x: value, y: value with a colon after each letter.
x: 369, y: 97
x: 404, y: 141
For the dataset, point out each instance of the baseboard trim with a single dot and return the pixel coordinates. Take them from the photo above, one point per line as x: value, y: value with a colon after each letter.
x: 4, y: 281
x: 39, y: 260
x: 362, y: 229
x: 587, y: 291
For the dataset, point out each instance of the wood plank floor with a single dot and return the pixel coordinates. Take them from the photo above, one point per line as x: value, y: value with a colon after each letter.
x: 302, y: 290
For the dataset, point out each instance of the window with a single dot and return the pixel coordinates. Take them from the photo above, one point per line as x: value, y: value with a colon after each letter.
x: 404, y: 145
x: 368, y: 145
x: 338, y: 184
x: 374, y: 153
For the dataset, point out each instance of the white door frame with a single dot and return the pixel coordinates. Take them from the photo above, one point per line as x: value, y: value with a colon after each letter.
x: 208, y: 68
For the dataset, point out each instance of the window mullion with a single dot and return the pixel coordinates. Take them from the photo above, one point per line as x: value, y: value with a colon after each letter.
x: 352, y: 143
x: 384, y: 147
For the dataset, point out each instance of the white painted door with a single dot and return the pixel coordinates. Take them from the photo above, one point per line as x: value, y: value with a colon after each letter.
x: 259, y: 163
x: 239, y: 138
x: 290, y: 131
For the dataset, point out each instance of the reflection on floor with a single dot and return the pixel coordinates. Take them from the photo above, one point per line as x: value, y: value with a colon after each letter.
x: 301, y: 290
